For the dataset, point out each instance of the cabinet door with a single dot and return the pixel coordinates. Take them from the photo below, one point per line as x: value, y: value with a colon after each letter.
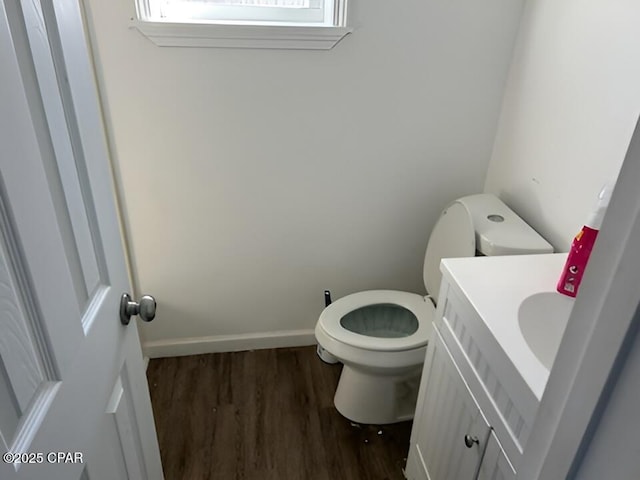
x: 446, y: 415
x: 495, y: 465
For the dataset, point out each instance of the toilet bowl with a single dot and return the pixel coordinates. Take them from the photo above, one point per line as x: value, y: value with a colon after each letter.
x: 381, y: 336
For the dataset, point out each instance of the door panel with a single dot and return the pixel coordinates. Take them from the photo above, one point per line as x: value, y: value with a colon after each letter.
x: 20, y: 361
x: 11, y: 413
x: 119, y: 449
x: 25, y: 363
x: 82, y: 241
x: 122, y: 416
x: 71, y: 375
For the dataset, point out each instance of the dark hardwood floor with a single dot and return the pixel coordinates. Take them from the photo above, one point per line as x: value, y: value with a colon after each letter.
x: 264, y: 415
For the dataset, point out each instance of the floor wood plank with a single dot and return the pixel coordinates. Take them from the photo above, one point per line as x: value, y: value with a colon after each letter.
x: 264, y: 415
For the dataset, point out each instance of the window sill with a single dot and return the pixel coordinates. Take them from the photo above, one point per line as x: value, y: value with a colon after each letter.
x: 166, y: 34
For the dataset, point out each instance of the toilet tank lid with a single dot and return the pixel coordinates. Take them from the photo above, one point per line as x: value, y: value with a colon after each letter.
x: 499, y: 230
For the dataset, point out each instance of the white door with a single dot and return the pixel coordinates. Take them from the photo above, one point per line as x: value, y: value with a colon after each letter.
x: 74, y: 401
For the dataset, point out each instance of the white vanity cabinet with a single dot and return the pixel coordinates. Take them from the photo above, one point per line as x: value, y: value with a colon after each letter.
x: 482, y: 376
x: 449, y: 438
x: 475, y: 407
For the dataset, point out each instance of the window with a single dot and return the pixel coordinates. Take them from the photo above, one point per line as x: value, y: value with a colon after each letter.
x: 312, y: 12
x: 310, y: 24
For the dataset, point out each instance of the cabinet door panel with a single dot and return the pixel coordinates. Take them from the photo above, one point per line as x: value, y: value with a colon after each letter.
x: 495, y: 465
x: 447, y: 414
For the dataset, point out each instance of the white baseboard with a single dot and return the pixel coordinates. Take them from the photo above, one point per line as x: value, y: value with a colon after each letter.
x: 145, y: 359
x: 177, y: 347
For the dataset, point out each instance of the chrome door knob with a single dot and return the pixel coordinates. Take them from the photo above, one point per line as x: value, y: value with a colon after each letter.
x: 469, y: 441
x: 146, y: 308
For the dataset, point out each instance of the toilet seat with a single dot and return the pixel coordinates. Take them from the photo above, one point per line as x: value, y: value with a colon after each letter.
x: 420, y: 306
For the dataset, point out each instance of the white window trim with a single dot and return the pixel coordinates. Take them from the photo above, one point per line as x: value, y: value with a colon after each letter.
x: 245, y: 35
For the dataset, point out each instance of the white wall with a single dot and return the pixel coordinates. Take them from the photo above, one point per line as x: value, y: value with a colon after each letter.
x: 570, y: 106
x: 254, y: 179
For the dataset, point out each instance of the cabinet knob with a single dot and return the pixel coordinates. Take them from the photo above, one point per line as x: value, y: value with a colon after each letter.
x: 469, y: 441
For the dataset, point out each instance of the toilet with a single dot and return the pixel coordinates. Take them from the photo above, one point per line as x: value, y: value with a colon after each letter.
x: 381, y: 336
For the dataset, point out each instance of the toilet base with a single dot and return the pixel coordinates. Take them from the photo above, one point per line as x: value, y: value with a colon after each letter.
x: 374, y: 398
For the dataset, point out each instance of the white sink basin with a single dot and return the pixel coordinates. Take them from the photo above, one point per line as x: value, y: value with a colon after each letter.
x: 542, y: 318
x: 519, y: 318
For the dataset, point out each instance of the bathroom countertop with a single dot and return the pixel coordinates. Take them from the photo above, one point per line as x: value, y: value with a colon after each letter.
x: 496, y: 287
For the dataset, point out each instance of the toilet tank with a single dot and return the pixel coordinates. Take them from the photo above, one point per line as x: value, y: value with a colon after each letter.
x: 498, y: 230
